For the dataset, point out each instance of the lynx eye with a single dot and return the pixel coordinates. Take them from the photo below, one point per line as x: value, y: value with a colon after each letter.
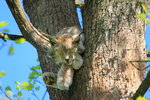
x: 77, y: 41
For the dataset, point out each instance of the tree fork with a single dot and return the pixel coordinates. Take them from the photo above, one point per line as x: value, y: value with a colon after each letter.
x: 30, y: 33
x: 106, y: 73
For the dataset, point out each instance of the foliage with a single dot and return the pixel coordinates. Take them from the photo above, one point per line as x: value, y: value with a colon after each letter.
x: 148, y: 53
x: 144, y: 15
x: 140, y: 98
x: 33, y: 79
x: 20, y: 40
x: 11, y: 50
x: 6, y: 37
x: 31, y: 85
x: 4, y: 23
x: 2, y: 74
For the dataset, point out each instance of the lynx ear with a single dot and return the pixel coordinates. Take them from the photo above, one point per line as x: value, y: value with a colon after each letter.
x: 74, y: 30
x: 76, y: 37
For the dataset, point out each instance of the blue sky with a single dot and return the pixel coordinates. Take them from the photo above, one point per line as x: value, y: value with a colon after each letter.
x: 147, y: 95
x: 17, y: 66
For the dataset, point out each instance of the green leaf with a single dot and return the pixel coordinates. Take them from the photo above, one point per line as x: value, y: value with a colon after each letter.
x: 3, y: 23
x: 142, y: 16
x: 19, y: 94
x: 6, y: 30
x: 38, y: 67
x: 2, y: 74
x: 148, y: 21
x: 9, y: 93
x: 148, y: 12
x: 35, y: 73
x: 11, y: 50
x: 37, y: 88
x: 32, y: 75
x: 25, y: 83
x: 18, y: 83
x: 141, y: 98
x: 20, y: 40
x: 8, y: 88
x: 35, y: 67
x: 30, y: 86
x: 147, y: 60
x: 39, y: 74
x: 18, y: 87
x: 144, y: 8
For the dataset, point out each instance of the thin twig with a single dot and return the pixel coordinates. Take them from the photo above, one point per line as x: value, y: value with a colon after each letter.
x: 44, y: 95
x: 5, y: 94
x: 5, y: 36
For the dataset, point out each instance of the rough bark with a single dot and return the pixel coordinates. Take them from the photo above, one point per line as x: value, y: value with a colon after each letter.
x: 114, y: 37
x: 50, y: 16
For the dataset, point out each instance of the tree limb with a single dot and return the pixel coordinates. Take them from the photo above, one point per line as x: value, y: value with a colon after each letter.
x: 143, y: 87
x: 5, y: 36
x: 29, y: 32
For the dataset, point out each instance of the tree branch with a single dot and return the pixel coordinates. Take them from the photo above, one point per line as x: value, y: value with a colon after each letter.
x: 29, y: 32
x: 143, y: 87
x: 5, y: 36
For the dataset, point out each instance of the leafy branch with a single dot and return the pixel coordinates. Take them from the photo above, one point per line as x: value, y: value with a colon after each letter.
x: 8, y: 97
x: 144, y: 15
x: 30, y: 85
x: 6, y: 36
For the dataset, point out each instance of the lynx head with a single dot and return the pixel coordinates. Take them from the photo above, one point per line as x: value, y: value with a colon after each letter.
x: 66, y: 41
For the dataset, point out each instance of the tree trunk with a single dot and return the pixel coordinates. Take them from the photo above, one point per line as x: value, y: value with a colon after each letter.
x: 114, y: 40
x: 50, y: 16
